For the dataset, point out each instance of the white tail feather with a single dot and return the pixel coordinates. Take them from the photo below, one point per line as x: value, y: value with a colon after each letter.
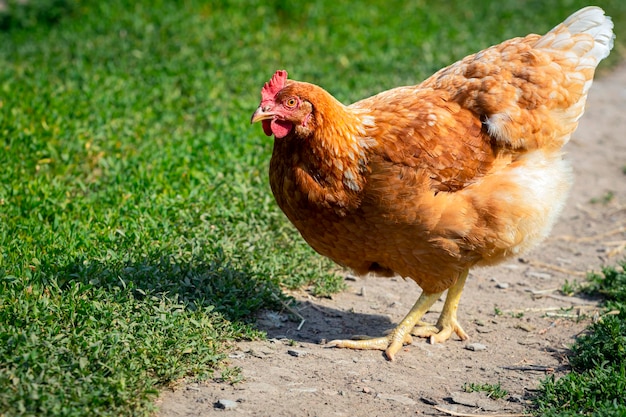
x: 589, y: 20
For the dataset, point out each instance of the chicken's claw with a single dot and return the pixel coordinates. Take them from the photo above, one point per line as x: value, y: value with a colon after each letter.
x: 399, y: 336
x: 391, y: 343
x: 441, y: 332
x: 446, y: 331
x: 422, y: 329
x: 412, y: 324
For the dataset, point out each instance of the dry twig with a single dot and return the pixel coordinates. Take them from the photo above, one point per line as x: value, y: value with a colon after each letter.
x: 454, y: 413
x: 291, y: 310
x: 544, y: 265
x: 593, y: 238
x: 548, y: 309
x: 619, y: 249
x: 570, y: 300
x: 563, y: 315
x: 533, y: 368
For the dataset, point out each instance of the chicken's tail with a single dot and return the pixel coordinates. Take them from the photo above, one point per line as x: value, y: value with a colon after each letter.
x: 586, y: 36
x: 576, y: 46
x: 531, y: 91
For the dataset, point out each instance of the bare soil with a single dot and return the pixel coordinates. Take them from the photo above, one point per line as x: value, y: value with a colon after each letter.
x: 515, y: 311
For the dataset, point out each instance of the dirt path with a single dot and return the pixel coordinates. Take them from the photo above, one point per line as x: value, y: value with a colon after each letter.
x: 526, y: 341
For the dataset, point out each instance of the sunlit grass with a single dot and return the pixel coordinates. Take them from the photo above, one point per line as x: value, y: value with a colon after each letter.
x: 597, y: 383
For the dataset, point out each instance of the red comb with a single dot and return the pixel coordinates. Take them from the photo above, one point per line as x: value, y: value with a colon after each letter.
x: 271, y: 88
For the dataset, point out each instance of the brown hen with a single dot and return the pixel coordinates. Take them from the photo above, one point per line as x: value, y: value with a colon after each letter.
x: 427, y: 181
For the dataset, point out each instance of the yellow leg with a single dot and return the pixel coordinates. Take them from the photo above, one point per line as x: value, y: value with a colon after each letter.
x: 447, y: 323
x: 399, y: 336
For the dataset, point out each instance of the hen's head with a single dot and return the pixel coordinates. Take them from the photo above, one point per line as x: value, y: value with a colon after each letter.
x: 285, y: 107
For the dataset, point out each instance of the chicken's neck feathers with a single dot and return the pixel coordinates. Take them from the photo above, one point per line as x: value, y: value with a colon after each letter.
x: 341, y: 130
x: 329, y: 160
x: 340, y: 144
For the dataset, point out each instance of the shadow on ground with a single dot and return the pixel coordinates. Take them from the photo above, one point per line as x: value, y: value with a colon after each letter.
x: 235, y: 291
x: 312, y: 322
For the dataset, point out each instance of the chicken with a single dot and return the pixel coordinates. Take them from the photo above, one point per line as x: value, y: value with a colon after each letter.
x: 465, y: 169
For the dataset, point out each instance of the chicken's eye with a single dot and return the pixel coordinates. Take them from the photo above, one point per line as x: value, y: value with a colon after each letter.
x: 291, y: 102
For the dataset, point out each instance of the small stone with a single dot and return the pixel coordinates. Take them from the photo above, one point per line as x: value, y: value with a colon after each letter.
x: 488, y: 405
x: 465, y: 398
x: 226, y: 404
x: 540, y: 275
x: 484, y: 330
x: 475, y: 347
x: 367, y: 390
x: 502, y: 285
x: 526, y: 327
x: 297, y: 353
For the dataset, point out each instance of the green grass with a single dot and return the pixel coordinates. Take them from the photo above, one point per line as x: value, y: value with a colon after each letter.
x: 597, y: 383
x: 138, y: 235
x: 494, y: 391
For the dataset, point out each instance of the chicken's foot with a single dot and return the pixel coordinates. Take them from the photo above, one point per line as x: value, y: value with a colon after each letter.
x: 399, y: 336
x: 447, y: 323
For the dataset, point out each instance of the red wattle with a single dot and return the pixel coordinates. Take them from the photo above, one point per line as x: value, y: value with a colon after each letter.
x: 281, y: 128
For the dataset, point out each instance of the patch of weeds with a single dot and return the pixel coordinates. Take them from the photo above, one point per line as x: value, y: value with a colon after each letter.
x: 497, y: 311
x: 604, y: 344
x: 596, y: 392
x: 80, y: 347
x: 494, y: 391
x: 597, y: 383
x: 231, y: 375
x: 611, y: 284
x: 605, y: 199
x: 570, y: 288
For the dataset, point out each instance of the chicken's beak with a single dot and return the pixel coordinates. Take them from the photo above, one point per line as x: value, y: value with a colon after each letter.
x: 261, y: 114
